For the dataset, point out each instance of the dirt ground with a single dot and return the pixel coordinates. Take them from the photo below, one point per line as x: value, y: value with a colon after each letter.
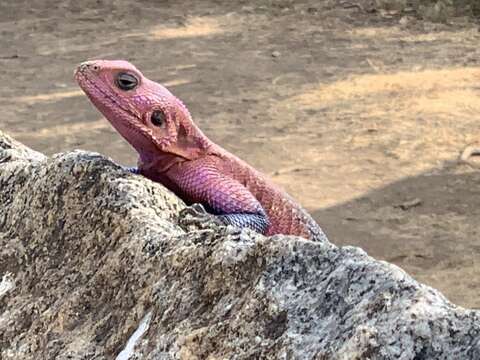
x: 360, y: 116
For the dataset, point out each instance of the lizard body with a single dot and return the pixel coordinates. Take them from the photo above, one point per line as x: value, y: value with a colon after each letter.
x: 174, y: 151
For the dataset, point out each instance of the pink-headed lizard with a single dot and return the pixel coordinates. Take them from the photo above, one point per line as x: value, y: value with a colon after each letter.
x: 174, y: 152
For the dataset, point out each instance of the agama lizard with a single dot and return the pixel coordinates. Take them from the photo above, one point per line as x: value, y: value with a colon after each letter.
x: 174, y: 152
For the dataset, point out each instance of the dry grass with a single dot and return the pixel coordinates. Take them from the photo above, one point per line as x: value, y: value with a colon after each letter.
x: 453, y: 91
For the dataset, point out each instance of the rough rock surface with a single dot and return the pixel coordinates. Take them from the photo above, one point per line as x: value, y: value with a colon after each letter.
x: 87, y: 250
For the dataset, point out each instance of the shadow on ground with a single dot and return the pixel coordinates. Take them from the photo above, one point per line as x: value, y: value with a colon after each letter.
x: 427, y: 224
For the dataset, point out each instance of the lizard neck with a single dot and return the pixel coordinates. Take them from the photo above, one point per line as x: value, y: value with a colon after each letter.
x: 154, y: 165
x: 191, y: 145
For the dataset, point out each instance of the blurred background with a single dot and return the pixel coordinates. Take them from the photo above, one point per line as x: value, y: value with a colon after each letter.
x: 360, y: 109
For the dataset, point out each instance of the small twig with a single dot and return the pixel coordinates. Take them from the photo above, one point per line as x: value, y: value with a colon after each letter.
x: 288, y: 170
x: 468, y: 153
x: 351, y: 5
x: 10, y: 57
x: 373, y: 66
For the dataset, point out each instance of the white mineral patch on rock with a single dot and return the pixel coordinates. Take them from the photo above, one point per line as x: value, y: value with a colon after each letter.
x: 6, y: 284
x: 127, y: 352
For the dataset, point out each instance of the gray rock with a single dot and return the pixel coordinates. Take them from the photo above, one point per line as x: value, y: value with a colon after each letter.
x: 88, y: 250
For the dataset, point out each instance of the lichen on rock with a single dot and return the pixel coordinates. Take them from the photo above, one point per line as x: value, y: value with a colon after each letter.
x: 89, y: 250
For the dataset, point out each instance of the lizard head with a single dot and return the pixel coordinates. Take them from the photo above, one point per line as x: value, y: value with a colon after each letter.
x: 144, y: 112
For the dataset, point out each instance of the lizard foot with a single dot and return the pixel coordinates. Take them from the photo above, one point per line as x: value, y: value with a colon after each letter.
x: 196, y: 217
x: 133, y: 170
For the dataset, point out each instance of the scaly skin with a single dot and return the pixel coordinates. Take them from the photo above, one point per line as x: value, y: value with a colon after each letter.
x: 174, y: 152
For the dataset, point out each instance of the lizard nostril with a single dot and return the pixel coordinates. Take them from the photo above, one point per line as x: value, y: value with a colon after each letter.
x: 91, y: 67
x: 87, y: 65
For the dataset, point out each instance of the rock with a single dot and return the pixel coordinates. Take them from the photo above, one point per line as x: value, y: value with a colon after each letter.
x: 405, y: 20
x: 91, y: 254
x: 407, y: 205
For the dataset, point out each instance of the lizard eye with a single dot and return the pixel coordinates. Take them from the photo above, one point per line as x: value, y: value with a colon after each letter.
x: 126, y: 81
x: 158, y: 118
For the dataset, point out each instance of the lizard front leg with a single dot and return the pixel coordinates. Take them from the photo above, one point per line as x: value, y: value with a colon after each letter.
x: 231, y: 202
x: 198, y: 214
x: 259, y: 222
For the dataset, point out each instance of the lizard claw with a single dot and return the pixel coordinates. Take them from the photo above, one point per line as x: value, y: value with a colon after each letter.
x: 196, y: 210
x: 196, y: 216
